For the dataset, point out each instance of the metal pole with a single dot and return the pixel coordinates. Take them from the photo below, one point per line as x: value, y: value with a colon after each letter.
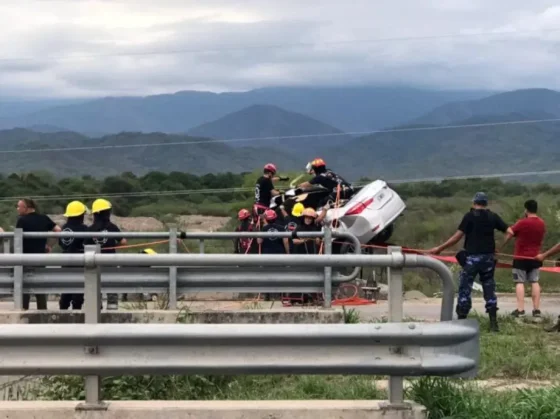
x: 173, y: 269
x: 328, y: 269
x: 18, y: 270
x: 395, y: 281
x: 92, y: 305
x: 6, y: 245
x: 201, y: 246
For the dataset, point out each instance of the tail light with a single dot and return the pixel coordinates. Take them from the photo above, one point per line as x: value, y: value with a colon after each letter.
x: 358, y: 208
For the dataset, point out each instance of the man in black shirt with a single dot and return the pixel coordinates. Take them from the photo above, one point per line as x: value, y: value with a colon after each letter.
x: 264, y: 189
x: 30, y: 220
x: 477, y: 258
x: 339, y: 188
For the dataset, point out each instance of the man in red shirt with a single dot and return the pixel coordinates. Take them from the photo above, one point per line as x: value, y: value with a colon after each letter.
x: 529, y: 235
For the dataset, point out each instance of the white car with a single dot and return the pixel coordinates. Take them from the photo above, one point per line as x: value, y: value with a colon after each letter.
x: 369, y: 214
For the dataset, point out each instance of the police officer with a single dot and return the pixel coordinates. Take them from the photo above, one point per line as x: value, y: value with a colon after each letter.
x: 477, y: 257
x: 101, y: 210
x: 75, y: 212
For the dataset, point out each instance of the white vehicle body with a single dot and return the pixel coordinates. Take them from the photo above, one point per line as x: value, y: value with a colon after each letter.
x: 369, y: 213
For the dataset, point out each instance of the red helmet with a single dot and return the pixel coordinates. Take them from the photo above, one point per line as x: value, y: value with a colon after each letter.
x: 270, y: 215
x: 243, y: 214
x: 269, y: 167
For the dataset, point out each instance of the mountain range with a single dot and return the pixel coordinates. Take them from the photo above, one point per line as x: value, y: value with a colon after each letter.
x: 493, y: 134
x: 347, y: 108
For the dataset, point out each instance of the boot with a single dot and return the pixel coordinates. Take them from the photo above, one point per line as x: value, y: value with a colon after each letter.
x: 462, y: 316
x: 493, y: 321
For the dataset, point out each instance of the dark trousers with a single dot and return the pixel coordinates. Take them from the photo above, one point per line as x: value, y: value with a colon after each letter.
x: 484, y: 266
x: 77, y: 301
x: 41, y: 301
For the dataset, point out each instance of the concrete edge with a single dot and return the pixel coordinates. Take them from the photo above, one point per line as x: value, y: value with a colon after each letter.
x: 275, y: 409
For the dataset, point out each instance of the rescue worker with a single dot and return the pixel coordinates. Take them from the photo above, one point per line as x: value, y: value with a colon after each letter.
x: 101, y: 210
x: 272, y: 245
x: 75, y: 213
x: 291, y: 222
x: 331, y: 181
x: 478, y: 256
x: 244, y: 245
x: 307, y: 246
x: 265, y: 190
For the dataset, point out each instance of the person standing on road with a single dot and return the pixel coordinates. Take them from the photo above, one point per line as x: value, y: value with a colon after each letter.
x: 101, y: 210
x: 75, y: 213
x: 244, y: 245
x: 529, y: 236
x: 478, y: 257
x: 30, y: 220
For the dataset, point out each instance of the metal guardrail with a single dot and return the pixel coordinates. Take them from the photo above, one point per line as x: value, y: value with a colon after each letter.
x: 19, y: 289
x: 398, y: 349
x: 189, y: 274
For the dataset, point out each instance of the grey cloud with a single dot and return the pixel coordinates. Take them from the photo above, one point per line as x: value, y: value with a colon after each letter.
x: 218, y: 59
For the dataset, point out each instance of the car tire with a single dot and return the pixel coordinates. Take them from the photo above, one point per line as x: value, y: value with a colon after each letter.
x: 384, y: 236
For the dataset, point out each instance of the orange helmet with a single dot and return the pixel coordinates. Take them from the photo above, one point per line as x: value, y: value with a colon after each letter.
x: 269, y: 167
x: 318, y: 162
x: 309, y: 212
x: 270, y: 215
x: 243, y: 214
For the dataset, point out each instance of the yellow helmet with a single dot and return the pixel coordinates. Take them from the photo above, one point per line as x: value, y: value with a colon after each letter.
x: 309, y: 212
x: 298, y: 209
x: 100, y: 205
x: 149, y: 251
x: 75, y: 209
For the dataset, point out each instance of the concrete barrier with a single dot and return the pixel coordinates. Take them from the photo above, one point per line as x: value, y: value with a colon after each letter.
x: 301, y: 409
x: 273, y: 316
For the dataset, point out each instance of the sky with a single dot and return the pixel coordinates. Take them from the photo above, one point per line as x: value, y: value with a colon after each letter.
x: 82, y: 48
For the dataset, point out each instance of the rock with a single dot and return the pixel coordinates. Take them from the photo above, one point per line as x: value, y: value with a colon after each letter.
x: 414, y: 295
x: 383, y: 291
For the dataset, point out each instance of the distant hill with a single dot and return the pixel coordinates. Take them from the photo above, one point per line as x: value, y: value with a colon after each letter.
x: 197, y: 155
x: 260, y: 121
x: 436, y: 151
x: 525, y: 102
x: 347, y: 108
x: 46, y: 128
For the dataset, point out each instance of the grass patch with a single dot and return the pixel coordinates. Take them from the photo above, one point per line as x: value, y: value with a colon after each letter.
x: 521, y: 350
x: 446, y: 399
x: 196, y: 387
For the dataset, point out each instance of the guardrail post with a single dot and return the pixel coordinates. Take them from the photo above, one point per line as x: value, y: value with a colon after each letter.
x: 92, y: 306
x: 327, y: 240
x: 18, y: 270
x: 395, y: 282
x: 7, y: 245
x: 173, y: 269
x: 201, y: 246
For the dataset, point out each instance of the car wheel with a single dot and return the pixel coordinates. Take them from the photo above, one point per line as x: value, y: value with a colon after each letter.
x: 384, y: 236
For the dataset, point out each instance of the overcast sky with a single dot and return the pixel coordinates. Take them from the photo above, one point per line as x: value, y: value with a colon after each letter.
x: 78, y: 48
